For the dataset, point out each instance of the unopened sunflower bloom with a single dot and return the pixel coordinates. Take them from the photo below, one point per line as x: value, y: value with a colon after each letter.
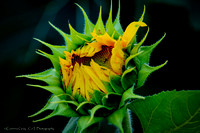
x: 95, y: 73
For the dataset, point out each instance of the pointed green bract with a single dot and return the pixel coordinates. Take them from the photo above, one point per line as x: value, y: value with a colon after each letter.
x: 78, y: 39
x: 129, y: 78
x: 54, y: 59
x: 142, y: 17
x: 49, y: 76
x: 48, y: 106
x: 144, y: 57
x: 115, y: 82
x: 97, y: 108
x: 53, y: 89
x: 89, y: 26
x: 56, y: 50
x: 127, y: 95
x: 100, y: 29
x: 137, y: 46
x: 145, y: 71
x: 66, y: 37
x: 62, y: 109
x: 117, y: 24
x: 110, y: 29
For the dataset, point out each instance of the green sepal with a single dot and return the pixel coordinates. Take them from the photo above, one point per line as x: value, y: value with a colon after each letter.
x: 111, y: 100
x: 98, y: 95
x: 62, y: 33
x: 62, y: 109
x: 137, y: 45
x: 79, y: 97
x: 84, y: 107
x: 49, y: 105
x: 83, y: 122
x: 66, y: 38
x: 99, y: 27
x: 56, y: 50
x: 117, y: 24
x: 110, y: 29
x: 108, y: 86
x: 54, y: 59
x: 49, y: 76
x: 144, y: 57
x: 77, y: 38
x: 115, y: 82
x: 130, y: 58
x: 145, y: 71
x: 142, y: 17
x: 127, y: 95
x: 129, y: 78
x: 103, y: 110
x: 53, y: 89
x: 89, y: 26
x: 117, y: 118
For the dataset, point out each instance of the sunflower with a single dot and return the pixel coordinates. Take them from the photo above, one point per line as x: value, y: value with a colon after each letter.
x: 95, y: 73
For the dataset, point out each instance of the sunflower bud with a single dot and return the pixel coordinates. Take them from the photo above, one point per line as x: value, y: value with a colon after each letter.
x: 95, y: 72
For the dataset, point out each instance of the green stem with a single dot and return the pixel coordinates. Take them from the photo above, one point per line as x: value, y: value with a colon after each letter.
x: 127, y: 125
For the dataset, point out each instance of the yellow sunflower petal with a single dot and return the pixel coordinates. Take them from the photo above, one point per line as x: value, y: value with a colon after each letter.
x: 95, y: 78
x: 104, y: 39
x: 97, y: 69
x: 117, y: 58
x: 130, y: 32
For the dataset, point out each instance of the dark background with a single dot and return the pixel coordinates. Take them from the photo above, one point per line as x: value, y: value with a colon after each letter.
x: 22, y: 20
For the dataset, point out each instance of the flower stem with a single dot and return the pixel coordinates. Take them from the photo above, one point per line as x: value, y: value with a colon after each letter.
x: 127, y: 125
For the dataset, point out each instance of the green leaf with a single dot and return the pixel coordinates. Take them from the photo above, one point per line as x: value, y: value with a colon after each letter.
x: 115, y: 82
x: 144, y: 57
x: 99, y: 25
x: 117, y: 24
x: 171, y: 111
x: 89, y: 26
x: 49, y: 76
x: 83, y: 122
x: 57, y: 50
x: 145, y: 71
x: 129, y: 78
x: 127, y: 95
x: 117, y: 118
x: 71, y: 126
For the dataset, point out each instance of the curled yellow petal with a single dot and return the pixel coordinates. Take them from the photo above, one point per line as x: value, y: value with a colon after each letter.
x: 130, y: 32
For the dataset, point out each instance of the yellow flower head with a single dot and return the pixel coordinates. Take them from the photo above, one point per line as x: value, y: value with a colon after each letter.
x: 87, y: 68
